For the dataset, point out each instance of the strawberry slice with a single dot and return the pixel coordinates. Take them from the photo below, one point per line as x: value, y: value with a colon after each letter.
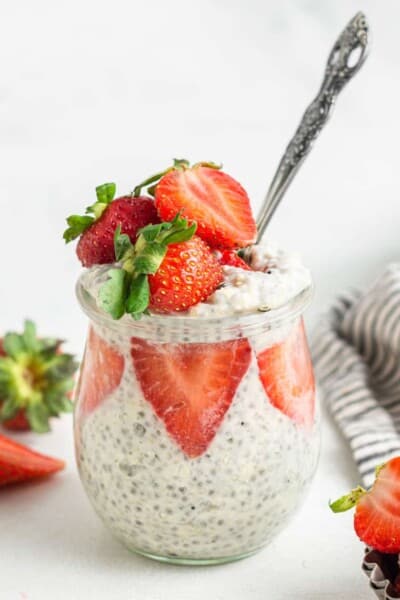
x: 101, y: 372
x: 19, y: 463
x: 190, y: 386
x: 287, y: 376
x: 216, y: 201
x: 377, y: 515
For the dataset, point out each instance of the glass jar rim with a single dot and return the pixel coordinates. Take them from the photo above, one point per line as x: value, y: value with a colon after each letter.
x: 177, y: 327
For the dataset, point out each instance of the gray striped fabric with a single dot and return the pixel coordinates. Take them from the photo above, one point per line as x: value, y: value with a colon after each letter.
x: 357, y: 361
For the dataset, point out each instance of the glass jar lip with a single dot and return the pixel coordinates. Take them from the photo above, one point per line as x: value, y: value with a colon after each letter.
x: 232, y: 326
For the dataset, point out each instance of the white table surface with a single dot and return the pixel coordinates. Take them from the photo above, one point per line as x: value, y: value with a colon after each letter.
x: 95, y: 91
x: 54, y: 547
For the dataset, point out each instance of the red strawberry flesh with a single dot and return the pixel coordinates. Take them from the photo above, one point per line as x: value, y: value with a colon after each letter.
x: 287, y: 376
x: 190, y: 386
x: 213, y: 199
x: 101, y: 372
x: 19, y: 463
x: 232, y: 259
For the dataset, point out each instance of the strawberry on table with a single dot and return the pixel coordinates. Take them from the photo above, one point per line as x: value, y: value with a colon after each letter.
x: 168, y: 270
x: 204, y: 194
x: 377, y: 514
x: 19, y: 463
x: 36, y: 380
x: 97, y: 227
x: 287, y: 376
x: 101, y: 372
x: 195, y: 387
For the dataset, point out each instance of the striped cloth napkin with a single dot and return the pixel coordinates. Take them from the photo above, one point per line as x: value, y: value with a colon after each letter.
x: 357, y: 361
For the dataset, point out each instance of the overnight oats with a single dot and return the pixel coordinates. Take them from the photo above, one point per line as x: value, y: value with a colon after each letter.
x: 196, y: 426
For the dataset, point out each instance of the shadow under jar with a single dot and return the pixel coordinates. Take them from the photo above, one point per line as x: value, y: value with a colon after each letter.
x: 196, y: 437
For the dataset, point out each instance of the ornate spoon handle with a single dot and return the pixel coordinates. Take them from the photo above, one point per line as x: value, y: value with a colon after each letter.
x: 347, y: 56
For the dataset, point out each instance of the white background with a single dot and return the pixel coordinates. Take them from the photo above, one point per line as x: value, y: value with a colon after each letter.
x: 99, y: 91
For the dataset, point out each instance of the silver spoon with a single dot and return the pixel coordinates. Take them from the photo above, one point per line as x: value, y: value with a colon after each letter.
x: 347, y: 56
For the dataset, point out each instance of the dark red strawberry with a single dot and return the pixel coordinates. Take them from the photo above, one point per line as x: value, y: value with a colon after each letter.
x: 190, y: 386
x: 377, y: 516
x: 232, y: 259
x: 188, y: 274
x: 101, y: 372
x: 19, y: 463
x: 96, y: 243
x: 287, y: 376
x: 204, y: 194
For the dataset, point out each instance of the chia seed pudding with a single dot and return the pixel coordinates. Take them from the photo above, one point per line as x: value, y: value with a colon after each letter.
x: 232, y: 498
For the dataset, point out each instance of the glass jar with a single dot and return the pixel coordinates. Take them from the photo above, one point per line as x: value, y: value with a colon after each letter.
x: 196, y: 438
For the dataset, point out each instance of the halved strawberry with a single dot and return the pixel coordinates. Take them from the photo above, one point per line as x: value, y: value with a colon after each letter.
x: 287, y: 376
x: 203, y: 193
x: 101, y: 372
x: 190, y: 386
x: 377, y: 516
x: 19, y: 463
x: 232, y: 259
x: 97, y: 227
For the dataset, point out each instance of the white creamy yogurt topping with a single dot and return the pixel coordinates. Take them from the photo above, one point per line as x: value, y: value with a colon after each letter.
x: 280, y: 276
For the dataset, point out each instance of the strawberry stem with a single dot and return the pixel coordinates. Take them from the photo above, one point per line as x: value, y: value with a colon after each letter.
x: 153, y: 179
x: 178, y: 163
x: 348, y: 501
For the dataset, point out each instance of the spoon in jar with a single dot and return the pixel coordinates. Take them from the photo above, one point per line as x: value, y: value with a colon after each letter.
x: 347, y: 56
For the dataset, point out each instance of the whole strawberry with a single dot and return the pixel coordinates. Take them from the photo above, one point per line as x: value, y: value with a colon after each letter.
x: 168, y: 269
x: 377, y: 515
x: 205, y: 194
x: 36, y: 380
x: 96, y: 228
x: 188, y: 274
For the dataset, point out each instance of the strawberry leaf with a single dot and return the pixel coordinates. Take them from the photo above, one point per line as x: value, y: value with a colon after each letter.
x: 13, y: 345
x: 151, y: 232
x: 105, y: 193
x: 139, y: 296
x: 32, y: 344
x: 77, y: 225
x: 8, y: 409
x: 57, y: 403
x: 181, y: 236
x: 122, y: 243
x: 113, y: 292
x: 60, y: 368
x: 38, y: 416
x: 150, y: 258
